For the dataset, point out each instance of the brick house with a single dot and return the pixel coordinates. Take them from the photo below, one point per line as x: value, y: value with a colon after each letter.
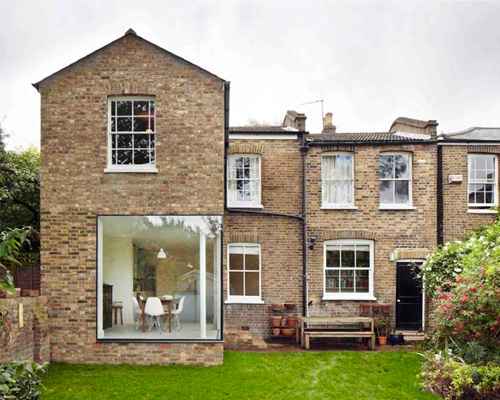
x: 153, y: 206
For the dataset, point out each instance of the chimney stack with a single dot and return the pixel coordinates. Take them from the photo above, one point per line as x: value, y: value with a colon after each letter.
x: 295, y: 120
x: 328, y: 126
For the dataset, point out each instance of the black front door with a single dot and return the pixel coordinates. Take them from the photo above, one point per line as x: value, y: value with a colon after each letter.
x: 408, y: 297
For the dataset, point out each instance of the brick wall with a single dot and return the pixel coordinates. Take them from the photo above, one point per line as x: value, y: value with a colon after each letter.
x: 392, y: 231
x: 190, y: 180
x: 280, y: 237
x: 457, y: 222
x: 30, y: 342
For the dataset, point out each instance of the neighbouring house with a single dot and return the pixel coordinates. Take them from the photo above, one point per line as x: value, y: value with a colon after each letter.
x: 152, y: 204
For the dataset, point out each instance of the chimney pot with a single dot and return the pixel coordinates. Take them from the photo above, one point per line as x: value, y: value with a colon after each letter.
x: 328, y: 126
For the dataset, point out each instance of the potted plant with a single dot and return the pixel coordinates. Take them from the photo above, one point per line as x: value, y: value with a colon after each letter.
x: 376, y: 308
x: 382, y: 325
x: 288, y: 332
x: 276, y: 320
x: 292, y: 322
x: 365, y: 309
x: 397, y: 339
x: 276, y: 331
x: 386, y: 308
x: 283, y: 321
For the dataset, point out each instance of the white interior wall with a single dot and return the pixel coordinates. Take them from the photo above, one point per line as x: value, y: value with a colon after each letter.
x: 118, y: 271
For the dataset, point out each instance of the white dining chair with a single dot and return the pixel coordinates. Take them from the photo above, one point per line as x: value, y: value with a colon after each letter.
x: 176, y: 312
x: 137, y: 313
x: 154, y: 312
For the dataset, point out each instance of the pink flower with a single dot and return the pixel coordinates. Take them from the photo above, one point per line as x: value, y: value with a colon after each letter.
x: 472, y: 289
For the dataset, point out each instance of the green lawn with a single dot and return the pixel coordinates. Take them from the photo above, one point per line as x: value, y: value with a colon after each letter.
x: 305, y: 375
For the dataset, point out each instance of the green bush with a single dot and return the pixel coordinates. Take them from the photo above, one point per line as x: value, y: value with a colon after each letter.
x: 455, y: 380
x: 21, y: 381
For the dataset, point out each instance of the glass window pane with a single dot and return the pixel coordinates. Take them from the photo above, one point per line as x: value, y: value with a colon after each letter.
x: 386, y: 168
x: 152, y: 156
x: 328, y: 191
x: 141, y: 157
x: 124, y: 107
x: 386, y: 192
x: 328, y: 167
x: 113, y: 108
x: 236, y: 261
x: 402, y: 192
x: 152, y: 124
x: 344, y: 166
x: 489, y: 197
x: 141, y: 141
x: 125, y: 141
x: 124, y: 124
x: 362, y: 256
x: 236, y: 284
x: 252, y: 284
x: 332, y: 281
x: 362, y: 281
x: 333, y: 257
x: 472, y: 194
x: 140, y: 124
x: 347, y: 281
x: 342, y: 192
x: 124, y: 156
x: 113, y: 141
x: 402, y: 167
x: 152, y: 107
x: 113, y: 124
x: 113, y: 157
x: 347, y: 258
x: 251, y: 261
x: 141, y: 107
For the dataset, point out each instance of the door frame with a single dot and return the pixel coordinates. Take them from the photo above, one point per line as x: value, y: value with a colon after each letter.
x: 413, y: 260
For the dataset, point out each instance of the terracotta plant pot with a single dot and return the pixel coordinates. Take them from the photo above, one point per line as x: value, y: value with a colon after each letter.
x: 382, y: 340
x: 276, y: 331
x: 283, y: 322
x: 292, y: 322
x: 376, y: 308
x: 289, y: 306
x: 275, y: 321
x: 277, y: 307
x: 288, y: 332
x: 365, y: 309
x: 386, y: 308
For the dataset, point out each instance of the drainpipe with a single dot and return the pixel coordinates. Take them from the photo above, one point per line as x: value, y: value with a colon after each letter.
x: 304, y: 149
x: 227, y: 86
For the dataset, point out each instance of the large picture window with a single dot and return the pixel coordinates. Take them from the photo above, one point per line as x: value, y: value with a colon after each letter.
x: 395, y: 180
x: 162, y: 274
x: 482, y: 181
x: 337, y: 171
x: 348, y: 269
x: 244, y: 181
x: 131, y: 131
x: 244, y: 272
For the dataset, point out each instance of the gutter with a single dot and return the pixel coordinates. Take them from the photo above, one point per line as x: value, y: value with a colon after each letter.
x: 370, y: 142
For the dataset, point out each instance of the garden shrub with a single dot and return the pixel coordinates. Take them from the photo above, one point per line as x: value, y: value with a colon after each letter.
x: 21, y: 380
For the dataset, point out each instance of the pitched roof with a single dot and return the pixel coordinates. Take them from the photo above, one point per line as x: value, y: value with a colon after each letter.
x: 129, y: 32
x: 368, y: 137
x: 262, y: 129
x: 417, y: 123
x: 473, y: 133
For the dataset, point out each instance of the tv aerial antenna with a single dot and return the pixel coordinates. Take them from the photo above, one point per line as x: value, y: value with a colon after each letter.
x: 314, y: 102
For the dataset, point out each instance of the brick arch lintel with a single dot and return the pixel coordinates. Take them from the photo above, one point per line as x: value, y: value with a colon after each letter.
x: 243, y: 238
x: 349, y: 234
x: 130, y: 88
x: 244, y: 148
x: 348, y: 149
x: 411, y: 254
x: 483, y: 149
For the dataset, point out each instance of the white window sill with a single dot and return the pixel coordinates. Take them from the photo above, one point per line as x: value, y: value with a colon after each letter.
x: 396, y: 207
x: 479, y: 211
x: 131, y: 169
x: 335, y: 207
x: 350, y: 296
x: 244, y: 301
x: 235, y: 205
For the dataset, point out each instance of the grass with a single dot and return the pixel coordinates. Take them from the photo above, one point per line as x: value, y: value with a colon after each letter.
x: 305, y: 375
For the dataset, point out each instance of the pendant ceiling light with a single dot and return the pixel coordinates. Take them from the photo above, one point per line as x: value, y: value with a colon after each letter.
x: 161, y: 254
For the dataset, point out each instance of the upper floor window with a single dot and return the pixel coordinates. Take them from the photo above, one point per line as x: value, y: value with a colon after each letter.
x: 131, y: 132
x: 244, y: 180
x: 348, y: 269
x: 244, y: 272
x: 337, y: 171
x: 395, y: 180
x: 482, y: 181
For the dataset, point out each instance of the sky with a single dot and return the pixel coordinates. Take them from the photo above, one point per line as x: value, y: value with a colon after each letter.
x: 370, y: 62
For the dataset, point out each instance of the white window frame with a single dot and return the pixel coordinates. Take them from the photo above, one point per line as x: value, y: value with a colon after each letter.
x: 398, y: 206
x: 257, y: 203
x: 350, y: 296
x: 484, y: 207
x: 139, y: 168
x: 244, y: 299
x: 333, y: 206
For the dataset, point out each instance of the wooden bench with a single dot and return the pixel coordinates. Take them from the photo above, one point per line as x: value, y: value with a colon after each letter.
x: 339, y: 334
x: 334, y: 327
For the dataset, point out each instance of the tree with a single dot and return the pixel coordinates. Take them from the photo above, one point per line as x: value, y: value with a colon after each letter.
x: 19, y: 186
